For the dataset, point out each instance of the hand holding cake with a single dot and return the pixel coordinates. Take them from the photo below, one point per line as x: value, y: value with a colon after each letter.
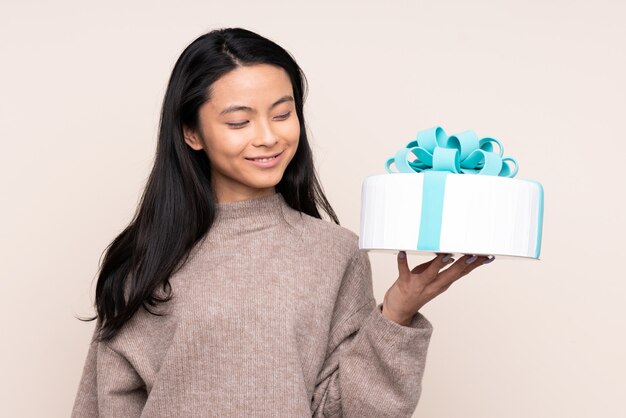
x: 450, y: 195
x: 416, y: 287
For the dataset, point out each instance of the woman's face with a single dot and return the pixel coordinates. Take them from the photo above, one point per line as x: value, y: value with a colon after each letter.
x: 251, y: 115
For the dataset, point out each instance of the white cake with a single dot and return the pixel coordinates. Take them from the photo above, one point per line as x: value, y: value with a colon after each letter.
x: 445, y: 212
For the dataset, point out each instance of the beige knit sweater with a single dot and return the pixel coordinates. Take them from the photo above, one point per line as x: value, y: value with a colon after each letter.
x: 273, y: 315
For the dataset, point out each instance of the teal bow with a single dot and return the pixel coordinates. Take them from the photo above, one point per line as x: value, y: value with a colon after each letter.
x: 462, y: 153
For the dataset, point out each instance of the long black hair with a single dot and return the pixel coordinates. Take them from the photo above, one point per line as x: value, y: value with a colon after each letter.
x: 178, y: 206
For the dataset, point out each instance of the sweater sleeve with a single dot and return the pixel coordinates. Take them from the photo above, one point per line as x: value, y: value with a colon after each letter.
x: 374, y: 366
x: 109, y: 385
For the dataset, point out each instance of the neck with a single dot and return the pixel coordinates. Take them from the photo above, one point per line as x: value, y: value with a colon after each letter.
x: 249, y: 215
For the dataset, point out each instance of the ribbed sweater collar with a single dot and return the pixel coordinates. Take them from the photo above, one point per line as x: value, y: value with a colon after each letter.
x: 251, y: 214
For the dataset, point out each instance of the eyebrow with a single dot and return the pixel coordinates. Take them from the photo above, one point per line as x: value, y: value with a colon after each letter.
x: 235, y: 108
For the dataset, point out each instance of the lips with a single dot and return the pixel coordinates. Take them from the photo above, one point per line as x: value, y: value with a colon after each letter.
x: 264, y: 156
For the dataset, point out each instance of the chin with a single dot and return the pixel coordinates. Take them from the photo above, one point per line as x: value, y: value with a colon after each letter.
x: 263, y: 183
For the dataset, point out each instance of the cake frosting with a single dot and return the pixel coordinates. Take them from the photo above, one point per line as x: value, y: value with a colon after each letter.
x: 452, y: 194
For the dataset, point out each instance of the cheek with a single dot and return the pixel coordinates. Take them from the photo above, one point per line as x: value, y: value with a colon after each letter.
x: 291, y: 131
x: 227, y: 143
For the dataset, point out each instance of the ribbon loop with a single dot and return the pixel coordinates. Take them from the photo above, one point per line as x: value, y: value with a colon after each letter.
x: 446, y: 159
x: 462, y: 153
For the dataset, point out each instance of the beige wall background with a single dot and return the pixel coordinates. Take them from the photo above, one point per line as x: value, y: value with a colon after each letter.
x: 81, y: 86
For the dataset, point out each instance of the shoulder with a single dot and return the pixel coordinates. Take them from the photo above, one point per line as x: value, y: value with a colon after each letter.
x: 326, y: 237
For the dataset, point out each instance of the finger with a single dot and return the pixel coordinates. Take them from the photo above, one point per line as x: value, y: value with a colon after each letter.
x: 403, y: 265
x: 420, y: 268
x: 480, y: 261
x: 462, y: 267
x: 455, y: 272
x: 437, y: 264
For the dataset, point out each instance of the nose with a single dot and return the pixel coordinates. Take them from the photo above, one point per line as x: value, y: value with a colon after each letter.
x: 265, y: 136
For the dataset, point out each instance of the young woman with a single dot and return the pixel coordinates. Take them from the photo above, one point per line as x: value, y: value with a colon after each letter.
x: 228, y: 295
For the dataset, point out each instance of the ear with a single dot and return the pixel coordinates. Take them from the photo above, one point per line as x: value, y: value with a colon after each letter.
x: 192, y: 139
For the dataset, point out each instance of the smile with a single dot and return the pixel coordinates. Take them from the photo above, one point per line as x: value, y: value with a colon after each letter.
x: 263, y: 159
x: 266, y: 162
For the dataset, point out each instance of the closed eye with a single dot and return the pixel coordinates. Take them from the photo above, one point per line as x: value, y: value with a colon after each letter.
x: 285, y: 115
x: 241, y: 124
